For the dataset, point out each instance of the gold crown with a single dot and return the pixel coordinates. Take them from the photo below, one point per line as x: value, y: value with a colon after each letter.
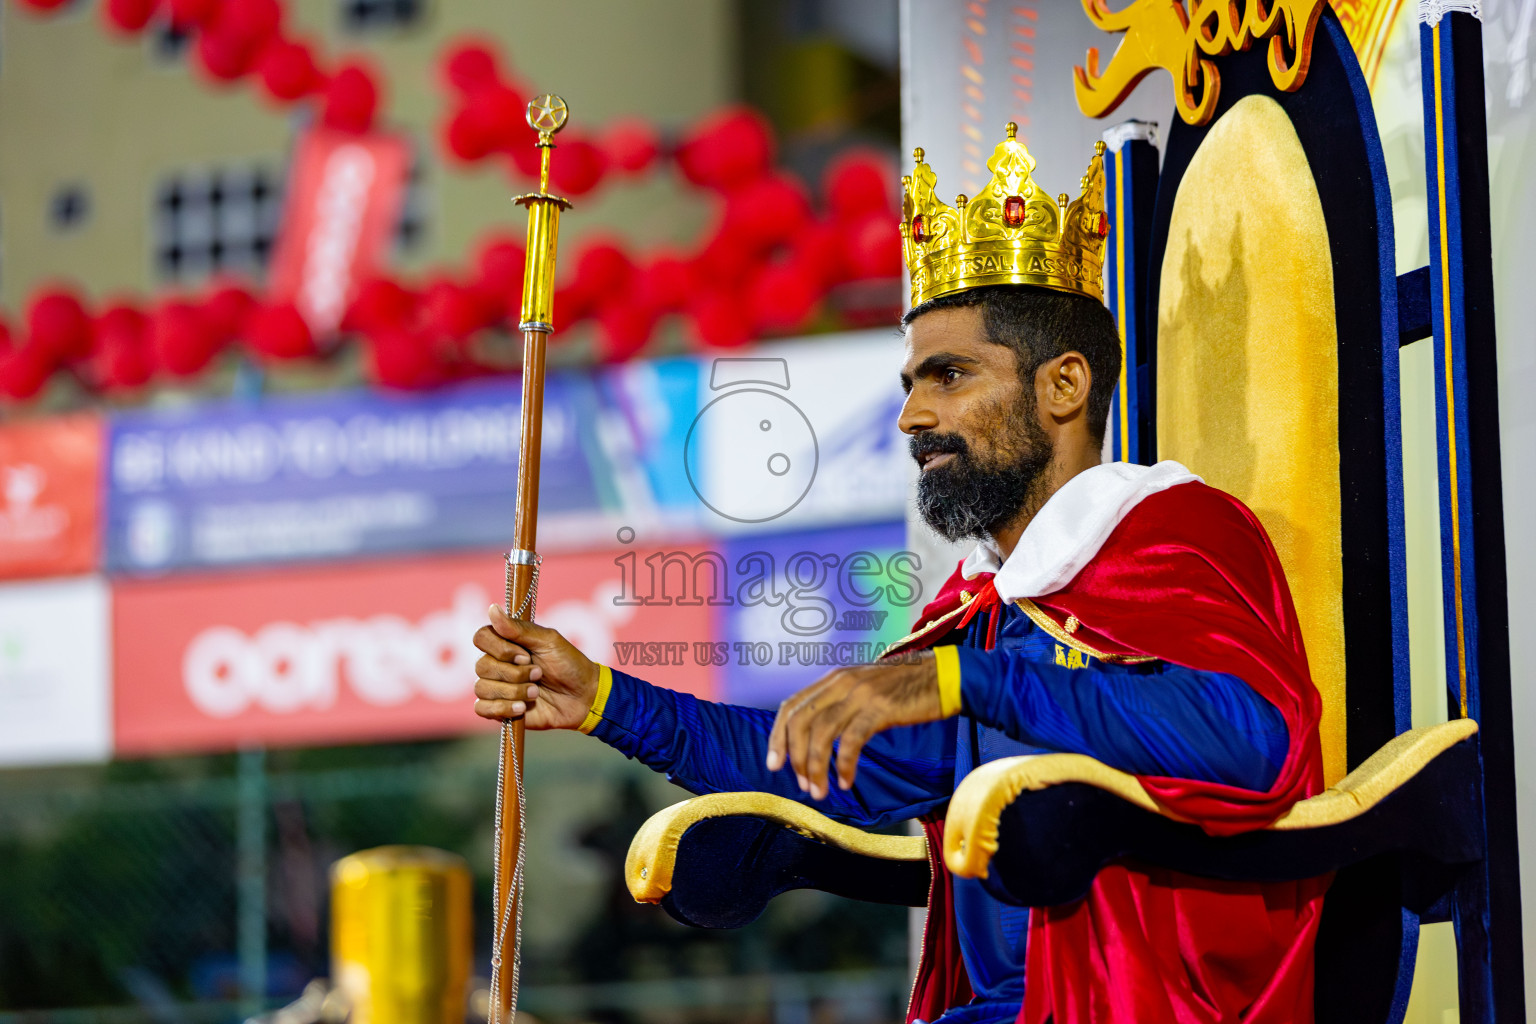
x: 1012, y: 232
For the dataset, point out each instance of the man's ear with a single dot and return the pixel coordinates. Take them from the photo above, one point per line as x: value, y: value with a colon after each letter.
x: 1063, y: 385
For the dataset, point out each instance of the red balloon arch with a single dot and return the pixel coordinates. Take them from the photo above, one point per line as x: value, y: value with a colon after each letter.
x: 765, y: 265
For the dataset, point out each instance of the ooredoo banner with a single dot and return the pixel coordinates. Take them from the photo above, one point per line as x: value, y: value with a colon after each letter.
x: 356, y: 653
x: 50, y: 473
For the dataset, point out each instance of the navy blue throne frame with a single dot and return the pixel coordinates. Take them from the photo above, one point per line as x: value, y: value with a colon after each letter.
x: 1369, y: 939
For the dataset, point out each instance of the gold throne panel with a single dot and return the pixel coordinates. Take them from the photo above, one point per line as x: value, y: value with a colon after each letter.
x: 1247, y: 365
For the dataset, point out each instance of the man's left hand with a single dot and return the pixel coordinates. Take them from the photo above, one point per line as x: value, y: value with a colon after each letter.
x: 847, y: 707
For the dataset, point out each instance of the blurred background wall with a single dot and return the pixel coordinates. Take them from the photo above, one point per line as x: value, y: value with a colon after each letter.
x: 164, y: 856
x: 99, y: 130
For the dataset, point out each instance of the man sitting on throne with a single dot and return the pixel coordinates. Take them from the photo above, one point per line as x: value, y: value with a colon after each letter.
x: 1129, y: 613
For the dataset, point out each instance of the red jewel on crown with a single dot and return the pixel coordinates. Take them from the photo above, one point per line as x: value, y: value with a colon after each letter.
x: 1013, y: 211
x: 919, y: 228
x: 1103, y: 224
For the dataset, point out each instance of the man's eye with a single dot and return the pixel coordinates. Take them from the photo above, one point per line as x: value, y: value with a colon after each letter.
x: 951, y: 375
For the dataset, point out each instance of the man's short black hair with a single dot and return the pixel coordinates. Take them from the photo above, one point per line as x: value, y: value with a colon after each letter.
x: 1040, y: 324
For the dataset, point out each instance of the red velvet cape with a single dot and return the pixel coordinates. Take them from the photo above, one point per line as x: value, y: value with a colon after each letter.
x: 1189, y: 576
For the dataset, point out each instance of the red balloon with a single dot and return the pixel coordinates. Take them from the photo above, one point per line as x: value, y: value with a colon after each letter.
x: 873, y: 247
x: 726, y: 260
x: 727, y: 149
x: 122, y: 318
x: 499, y: 272
x: 129, y: 16
x: 720, y: 319
x: 470, y: 65
x: 572, y: 303
x: 5, y: 346
x: 467, y: 136
x: 42, y: 6
x: 279, y: 332
x: 181, y: 338
x: 782, y: 297
x: 125, y: 364
x: 288, y: 71
x: 380, y: 303
x: 766, y: 211
x: 491, y: 120
x: 506, y: 114
x: 226, y: 310
x: 818, y: 249
x: 603, y: 270
x: 453, y: 311
x: 223, y: 58
x: 624, y: 328
x: 57, y: 326
x: 578, y: 167
x: 351, y: 99
x: 525, y: 159
x: 631, y: 144
x: 665, y: 284
x: 402, y: 359
x: 250, y: 24
x: 187, y: 14
x: 860, y: 182
x: 23, y: 372
x: 123, y: 358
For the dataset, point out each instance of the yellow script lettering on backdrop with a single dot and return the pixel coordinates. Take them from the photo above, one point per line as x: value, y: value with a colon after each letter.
x: 1164, y: 34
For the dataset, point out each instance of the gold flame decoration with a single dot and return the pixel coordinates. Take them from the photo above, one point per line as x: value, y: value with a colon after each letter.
x: 1165, y: 34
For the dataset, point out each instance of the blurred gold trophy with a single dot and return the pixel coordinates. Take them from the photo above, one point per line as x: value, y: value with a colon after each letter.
x: 401, y: 935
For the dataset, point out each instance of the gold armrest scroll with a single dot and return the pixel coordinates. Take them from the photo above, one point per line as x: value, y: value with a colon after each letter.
x: 653, y: 851
x: 971, y: 828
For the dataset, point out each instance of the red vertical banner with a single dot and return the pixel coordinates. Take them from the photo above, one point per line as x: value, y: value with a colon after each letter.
x: 50, y: 502
x: 344, y: 196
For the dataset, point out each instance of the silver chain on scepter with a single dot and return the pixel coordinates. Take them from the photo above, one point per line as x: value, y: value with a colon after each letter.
x: 525, y: 612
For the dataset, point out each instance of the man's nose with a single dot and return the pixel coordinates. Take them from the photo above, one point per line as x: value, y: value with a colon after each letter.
x: 916, y: 415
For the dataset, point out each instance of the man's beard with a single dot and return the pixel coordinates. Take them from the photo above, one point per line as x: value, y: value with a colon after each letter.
x: 969, y: 497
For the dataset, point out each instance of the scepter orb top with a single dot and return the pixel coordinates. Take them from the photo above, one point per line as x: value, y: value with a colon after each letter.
x: 547, y: 114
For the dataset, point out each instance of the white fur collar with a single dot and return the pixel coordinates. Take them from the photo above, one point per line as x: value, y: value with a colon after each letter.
x: 1071, y: 527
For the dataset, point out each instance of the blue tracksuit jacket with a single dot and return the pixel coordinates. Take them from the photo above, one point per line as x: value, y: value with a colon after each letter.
x: 1026, y: 695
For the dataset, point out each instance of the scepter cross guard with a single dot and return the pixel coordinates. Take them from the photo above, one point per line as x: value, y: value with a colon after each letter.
x: 547, y: 115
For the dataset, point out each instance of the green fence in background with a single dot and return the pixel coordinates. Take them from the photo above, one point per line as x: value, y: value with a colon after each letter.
x: 193, y: 890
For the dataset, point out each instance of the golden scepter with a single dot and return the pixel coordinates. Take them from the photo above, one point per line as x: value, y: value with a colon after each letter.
x: 546, y: 114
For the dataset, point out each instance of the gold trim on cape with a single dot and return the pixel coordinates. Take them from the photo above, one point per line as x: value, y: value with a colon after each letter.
x: 1061, y: 636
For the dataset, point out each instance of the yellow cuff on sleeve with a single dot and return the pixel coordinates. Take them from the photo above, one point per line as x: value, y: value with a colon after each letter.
x: 947, y: 660
x: 605, y: 686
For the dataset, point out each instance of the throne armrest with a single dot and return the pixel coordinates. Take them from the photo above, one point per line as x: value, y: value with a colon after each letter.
x: 715, y: 861
x: 1038, y: 828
